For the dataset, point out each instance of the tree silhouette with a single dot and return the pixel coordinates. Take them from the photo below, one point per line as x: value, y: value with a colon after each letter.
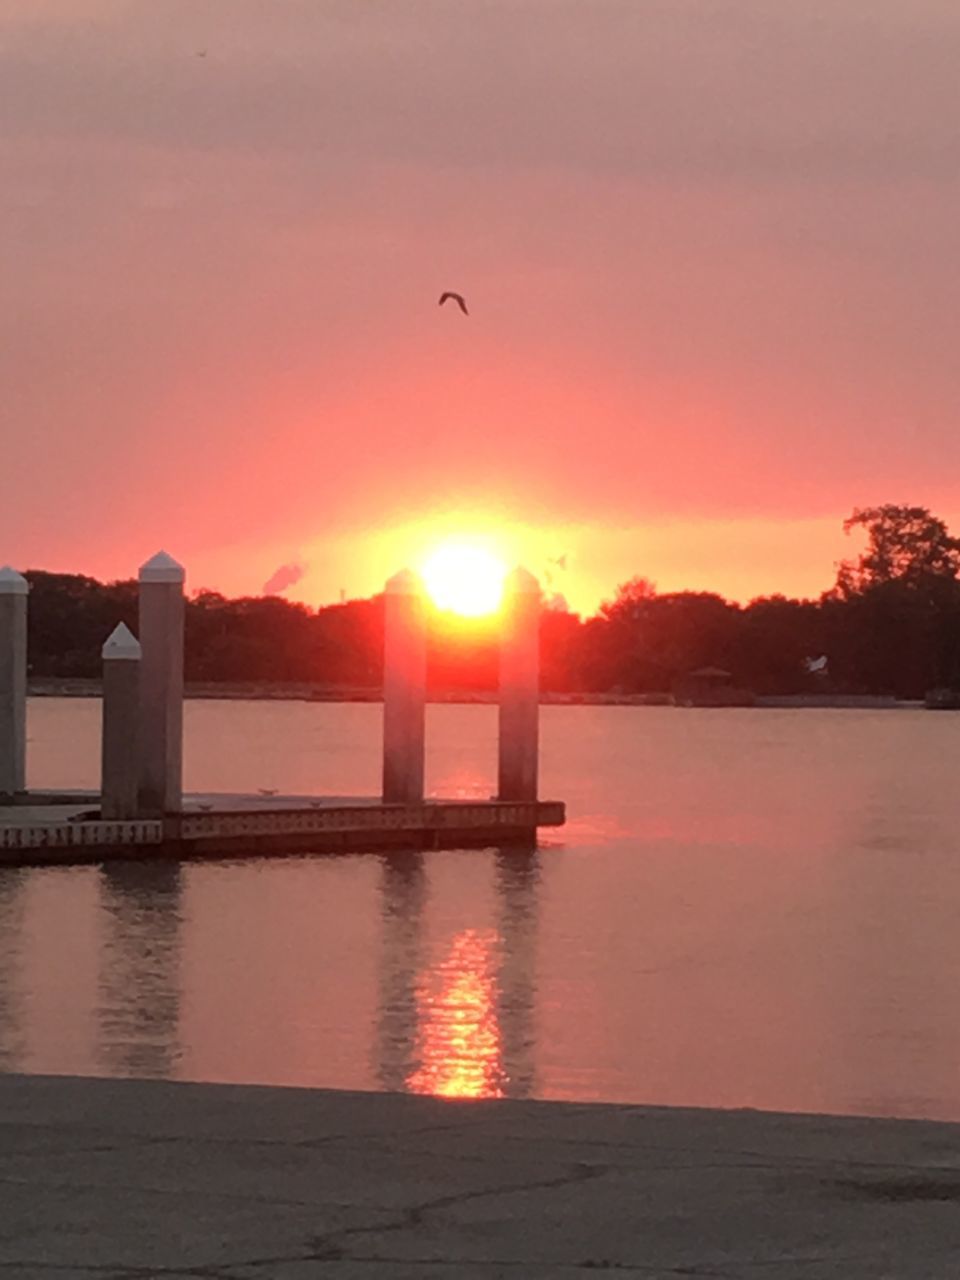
x: 890, y: 625
x: 904, y: 544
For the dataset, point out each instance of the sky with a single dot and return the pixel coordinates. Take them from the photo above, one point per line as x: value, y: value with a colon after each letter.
x: 708, y: 247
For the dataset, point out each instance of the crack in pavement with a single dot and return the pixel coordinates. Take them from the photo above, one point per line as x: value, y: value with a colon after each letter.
x: 112, y: 1272
x: 786, y: 1160
x: 331, y: 1246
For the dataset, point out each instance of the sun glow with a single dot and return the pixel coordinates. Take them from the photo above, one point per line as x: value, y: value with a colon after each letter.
x: 464, y: 579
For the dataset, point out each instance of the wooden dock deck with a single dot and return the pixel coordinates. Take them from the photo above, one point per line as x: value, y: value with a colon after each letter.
x: 61, y: 828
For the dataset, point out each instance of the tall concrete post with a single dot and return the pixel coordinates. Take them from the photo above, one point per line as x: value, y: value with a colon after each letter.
x: 120, y: 745
x: 519, y: 687
x: 161, y: 685
x: 404, y: 689
x: 13, y: 681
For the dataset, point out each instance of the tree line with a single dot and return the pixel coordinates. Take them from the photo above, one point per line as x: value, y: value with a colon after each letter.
x: 889, y: 625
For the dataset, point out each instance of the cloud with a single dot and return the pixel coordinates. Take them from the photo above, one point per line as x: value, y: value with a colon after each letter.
x: 286, y: 576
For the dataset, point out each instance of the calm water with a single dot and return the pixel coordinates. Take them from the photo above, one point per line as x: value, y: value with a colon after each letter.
x: 747, y: 908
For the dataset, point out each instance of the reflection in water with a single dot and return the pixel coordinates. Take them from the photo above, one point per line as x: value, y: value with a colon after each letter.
x: 460, y: 1036
x: 12, y: 892
x: 461, y: 1027
x: 718, y: 939
x: 518, y: 876
x: 403, y: 893
x: 139, y: 1009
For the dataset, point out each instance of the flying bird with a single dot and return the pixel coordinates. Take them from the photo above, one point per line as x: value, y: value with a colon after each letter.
x: 458, y: 299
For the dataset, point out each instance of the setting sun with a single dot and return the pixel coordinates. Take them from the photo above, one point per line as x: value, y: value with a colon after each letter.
x: 464, y: 579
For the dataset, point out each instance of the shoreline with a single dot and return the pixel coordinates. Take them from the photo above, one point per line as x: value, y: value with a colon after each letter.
x: 263, y: 692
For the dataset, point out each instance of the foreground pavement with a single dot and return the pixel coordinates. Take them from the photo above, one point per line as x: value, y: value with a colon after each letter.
x: 128, y: 1179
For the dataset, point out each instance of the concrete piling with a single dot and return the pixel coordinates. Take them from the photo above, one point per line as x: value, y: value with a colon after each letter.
x: 161, y: 686
x: 120, y: 745
x: 13, y: 681
x: 519, y: 688
x: 404, y: 689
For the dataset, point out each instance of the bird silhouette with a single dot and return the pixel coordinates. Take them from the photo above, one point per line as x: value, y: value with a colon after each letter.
x: 458, y: 299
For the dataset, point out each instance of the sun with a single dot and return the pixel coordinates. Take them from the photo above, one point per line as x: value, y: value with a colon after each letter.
x: 464, y: 579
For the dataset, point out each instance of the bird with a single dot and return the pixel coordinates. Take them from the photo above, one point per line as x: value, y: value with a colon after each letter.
x: 458, y: 299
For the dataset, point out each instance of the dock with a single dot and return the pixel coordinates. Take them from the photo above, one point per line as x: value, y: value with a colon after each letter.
x: 141, y: 810
x: 66, y: 828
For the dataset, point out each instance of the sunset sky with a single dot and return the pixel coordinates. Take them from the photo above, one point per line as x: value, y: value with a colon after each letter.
x: 709, y: 249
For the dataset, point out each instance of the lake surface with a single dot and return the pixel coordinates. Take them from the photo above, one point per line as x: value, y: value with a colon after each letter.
x: 746, y: 909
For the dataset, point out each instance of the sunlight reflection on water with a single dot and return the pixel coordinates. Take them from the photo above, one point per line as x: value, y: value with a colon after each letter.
x: 459, y: 1034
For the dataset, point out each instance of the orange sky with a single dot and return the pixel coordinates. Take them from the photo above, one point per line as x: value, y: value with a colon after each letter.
x: 708, y: 247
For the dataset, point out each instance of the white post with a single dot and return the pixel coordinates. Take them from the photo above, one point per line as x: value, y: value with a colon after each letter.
x: 404, y: 689
x: 13, y: 681
x: 161, y: 685
x: 120, y: 748
x: 519, y: 687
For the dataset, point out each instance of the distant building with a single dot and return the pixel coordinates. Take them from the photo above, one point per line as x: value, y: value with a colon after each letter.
x: 711, y: 687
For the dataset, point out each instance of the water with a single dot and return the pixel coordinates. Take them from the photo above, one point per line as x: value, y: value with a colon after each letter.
x: 747, y: 908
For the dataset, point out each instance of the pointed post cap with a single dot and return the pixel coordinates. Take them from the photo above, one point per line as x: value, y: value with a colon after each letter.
x: 162, y: 568
x: 121, y: 643
x: 12, y: 583
x: 520, y: 581
x: 404, y: 583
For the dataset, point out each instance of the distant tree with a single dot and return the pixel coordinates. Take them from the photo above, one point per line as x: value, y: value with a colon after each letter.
x: 349, y: 644
x: 561, y: 649
x: 776, y: 636
x: 629, y: 600
x: 262, y: 639
x: 686, y: 630
x: 899, y: 629
x: 69, y: 618
x: 641, y: 642
x: 904, y: 544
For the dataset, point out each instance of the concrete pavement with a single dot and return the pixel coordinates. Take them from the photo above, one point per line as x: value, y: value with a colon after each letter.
x: 125, y: 1180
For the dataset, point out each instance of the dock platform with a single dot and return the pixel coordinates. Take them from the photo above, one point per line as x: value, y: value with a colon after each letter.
x: 60, y: 828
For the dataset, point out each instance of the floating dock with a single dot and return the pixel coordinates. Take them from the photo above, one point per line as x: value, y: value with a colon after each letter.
x: 62, y: 828
x: 140, y: 810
